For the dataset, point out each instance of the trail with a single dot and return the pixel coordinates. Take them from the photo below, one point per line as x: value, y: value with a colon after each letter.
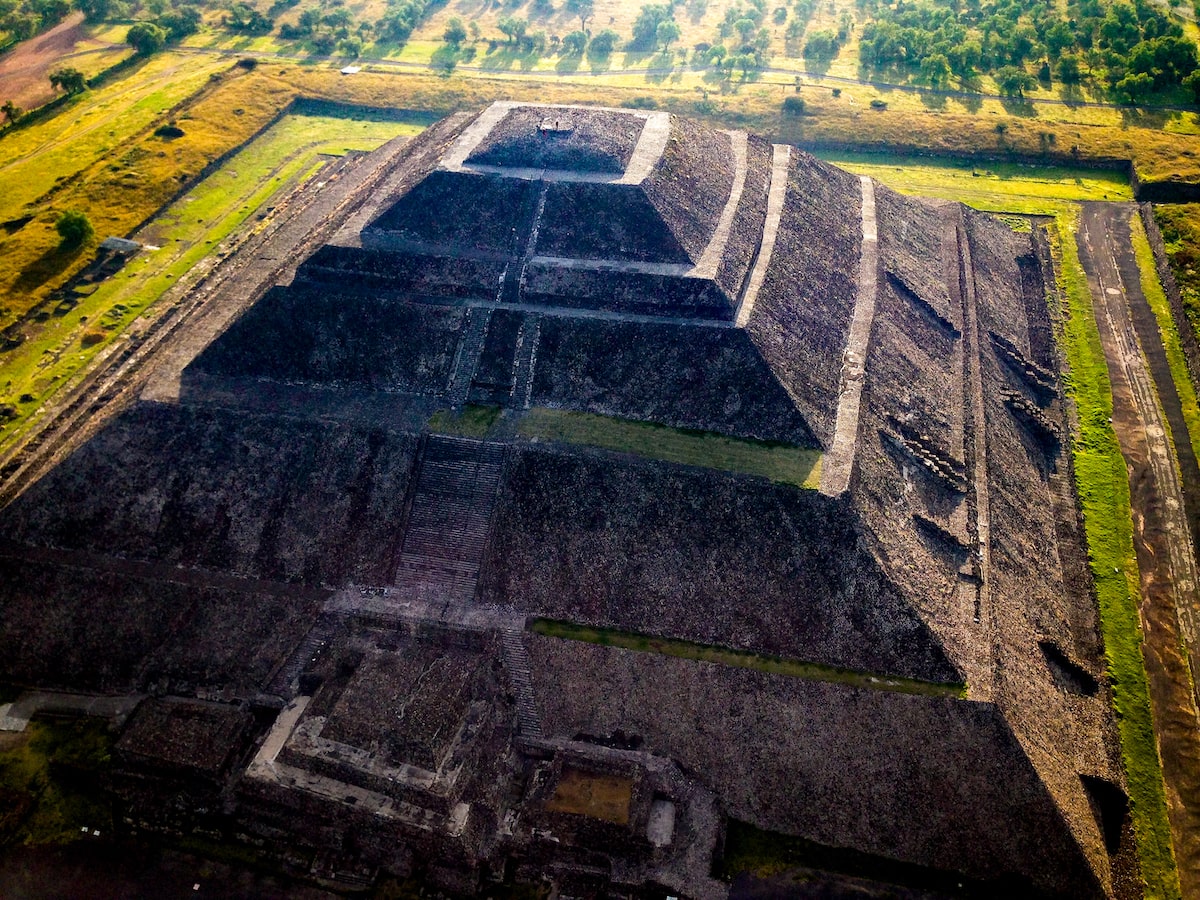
x: 1162, y: 537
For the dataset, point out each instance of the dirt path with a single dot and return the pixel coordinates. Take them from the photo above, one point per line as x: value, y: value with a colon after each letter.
x: 1162, y: 538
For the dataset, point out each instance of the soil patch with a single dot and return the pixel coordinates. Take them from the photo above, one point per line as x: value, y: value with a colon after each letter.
x: 25, y: 71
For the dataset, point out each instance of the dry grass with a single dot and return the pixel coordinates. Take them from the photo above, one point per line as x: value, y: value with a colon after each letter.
x: 598, y: 796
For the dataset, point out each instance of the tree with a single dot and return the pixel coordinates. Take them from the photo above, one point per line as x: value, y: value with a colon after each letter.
x: 793, y: 106
x: 11, y: 111
x: 936, y: 68
x: 1068, y: 69
x: 645, y: 26
x: 513, y: 27
x: 1014, y: 82
x: 574, y: 43
x: 455, y: 32
x: 74, y: 228
x: 821, y: 46
x: 667, y: 32
x: 581, y: 8
x: 1135, y: 86
x: 180, y: 23
x: 95, y: 10
x: 69, y: 80
x: 603, y: 43
x: 146, y: 38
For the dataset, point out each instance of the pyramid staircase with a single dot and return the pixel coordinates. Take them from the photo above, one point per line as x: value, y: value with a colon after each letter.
x: 451, y: 509
x: 516, y: 663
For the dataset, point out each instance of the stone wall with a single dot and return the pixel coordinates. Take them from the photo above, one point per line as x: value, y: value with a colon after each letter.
x: 665, y: 550
x: 279, y: 499
x: 703, y: 378
x: 802, y: 314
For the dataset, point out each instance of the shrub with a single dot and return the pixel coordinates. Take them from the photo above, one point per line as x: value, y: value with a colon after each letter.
x: 793, y: 105
x: 74, y: 228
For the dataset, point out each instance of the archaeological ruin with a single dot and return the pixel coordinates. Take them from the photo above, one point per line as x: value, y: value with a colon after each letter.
x: 602, y: 484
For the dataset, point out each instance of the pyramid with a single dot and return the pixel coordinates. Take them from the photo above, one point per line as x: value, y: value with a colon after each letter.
x: 612, y: 577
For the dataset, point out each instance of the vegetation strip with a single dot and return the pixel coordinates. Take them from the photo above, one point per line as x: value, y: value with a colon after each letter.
x: 1103, y: 485
x: 779, y: 462
x: 1160, y: 306
x: 743, y: 659
x: 188, y: 230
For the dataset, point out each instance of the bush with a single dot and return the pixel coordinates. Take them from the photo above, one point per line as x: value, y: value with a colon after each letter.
x: 146, y: 38
x: 878, y: 104
x: 74, y: 228
x: 793, y: 106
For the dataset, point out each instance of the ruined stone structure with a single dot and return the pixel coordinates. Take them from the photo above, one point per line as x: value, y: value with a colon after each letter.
x: 451, y: 635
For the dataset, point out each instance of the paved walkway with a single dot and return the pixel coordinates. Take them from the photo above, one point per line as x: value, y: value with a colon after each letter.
x: 710, y: 260
x: 15, y: 716
x: 839, y: 460
x: 776, y: 195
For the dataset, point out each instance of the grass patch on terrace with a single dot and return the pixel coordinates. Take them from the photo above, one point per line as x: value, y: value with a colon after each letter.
x: 185, y: 232
x: 778, y: 462
x: 1103, y: 485
x: 743, y: 659
x: 1161, y: 308
x: 49, y: 776
x: 469, y: 422
x: 593, y: 794
x: 1180, y: 227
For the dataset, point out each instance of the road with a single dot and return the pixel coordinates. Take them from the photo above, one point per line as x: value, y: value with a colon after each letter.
x: 1162, y: 536
x: 397, y: 66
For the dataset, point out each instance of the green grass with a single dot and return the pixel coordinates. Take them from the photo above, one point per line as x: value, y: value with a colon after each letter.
x: 778, y: 462
x: 471, y: 421
x: 1103, y: 485
x: 1180, y: 226
x: 1161, y: 307
x: 48, y: 783
x: 774, y: 665
x: 985, y: 185
x: 186, y: 232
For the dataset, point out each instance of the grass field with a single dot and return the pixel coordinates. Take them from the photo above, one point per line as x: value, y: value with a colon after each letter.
x: 50, y: 782
x: 182, y: 235
x: 778, y: 462
x: 743, y: 659
x: 984, y: 185
x: 469, y: 422
x: 592, y: 794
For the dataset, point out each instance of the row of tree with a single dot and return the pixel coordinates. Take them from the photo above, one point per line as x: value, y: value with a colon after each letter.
x: 22, y: 19
x: 1132, y: 49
